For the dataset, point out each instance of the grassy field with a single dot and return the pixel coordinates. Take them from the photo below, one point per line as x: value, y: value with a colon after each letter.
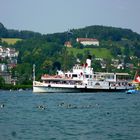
x: 98, y: 52
x: 11, y: 40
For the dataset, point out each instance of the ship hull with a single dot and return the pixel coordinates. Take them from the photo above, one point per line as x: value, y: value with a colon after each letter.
x: 46, y: 89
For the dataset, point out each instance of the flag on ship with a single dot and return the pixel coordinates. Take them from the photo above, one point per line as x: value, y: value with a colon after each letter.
x: 137, y: 77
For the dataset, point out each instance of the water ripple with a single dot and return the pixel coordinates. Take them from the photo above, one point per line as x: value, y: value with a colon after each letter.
x: 99, y: 116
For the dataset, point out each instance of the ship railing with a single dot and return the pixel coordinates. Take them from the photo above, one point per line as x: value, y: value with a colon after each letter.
x: 120, y: 84
x: 63, y: 82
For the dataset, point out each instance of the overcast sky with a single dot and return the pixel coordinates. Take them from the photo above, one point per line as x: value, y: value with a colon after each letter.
x: 50, y: 16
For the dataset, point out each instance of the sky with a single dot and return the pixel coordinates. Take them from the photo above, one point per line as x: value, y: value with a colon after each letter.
x: 51, y: 16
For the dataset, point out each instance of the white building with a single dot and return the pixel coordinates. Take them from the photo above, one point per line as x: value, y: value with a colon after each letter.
x: 8, y: 52
x: 3, y: 68
x: 88, y: 41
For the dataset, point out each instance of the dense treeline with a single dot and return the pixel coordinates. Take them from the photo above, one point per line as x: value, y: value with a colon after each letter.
x: 96, y: 31
x: 49, y: 54
x: 10, y: 33
x: 107, y: 33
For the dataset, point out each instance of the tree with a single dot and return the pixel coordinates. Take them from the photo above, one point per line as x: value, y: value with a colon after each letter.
x: 96, y: 65
x: 108, y: 65
x: 137, y: 50
x: 23, y: 73
x: 47, y: 66
x: 127, y: 50
x: 2, y: 82
x: 79, y: 56
x: 115, y: 51
x: 56, y: 65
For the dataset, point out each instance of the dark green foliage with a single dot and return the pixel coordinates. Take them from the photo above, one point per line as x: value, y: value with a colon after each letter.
x: 96, y: 65
x: 115, y: 51
x: 23, y: 72
x: 17, y: 87
x: 106, y: 33
x: 48, y: 53
x: 7, y: 33
x: 2, y: 82
x: 47, y: 56
x: 137, y: 50
x: 3, y: 31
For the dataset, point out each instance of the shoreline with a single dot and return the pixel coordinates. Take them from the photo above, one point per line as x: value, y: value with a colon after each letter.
x: 16, y: 87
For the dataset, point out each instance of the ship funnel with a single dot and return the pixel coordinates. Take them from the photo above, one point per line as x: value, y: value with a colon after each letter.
x: 88, y: 61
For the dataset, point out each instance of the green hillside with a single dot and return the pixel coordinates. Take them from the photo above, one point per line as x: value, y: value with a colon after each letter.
x: 11, y: 41
x: 97, y: 52
x: 49, y: 53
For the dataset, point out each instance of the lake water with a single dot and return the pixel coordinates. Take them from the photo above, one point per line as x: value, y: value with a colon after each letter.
x: 69, y: 116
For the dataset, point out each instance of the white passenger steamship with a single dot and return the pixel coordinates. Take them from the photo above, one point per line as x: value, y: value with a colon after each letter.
x: 82, y: 79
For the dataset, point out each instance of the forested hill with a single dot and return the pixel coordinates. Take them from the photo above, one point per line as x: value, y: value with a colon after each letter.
x: 106, y: 33
x: 11, y: 33
x: 49, y: 53
x: 96, y: 31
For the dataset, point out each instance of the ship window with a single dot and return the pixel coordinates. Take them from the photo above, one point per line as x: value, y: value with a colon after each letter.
x: 74, y: 75
x: 110, y: 76
x: 97, y: 84
x: 87, y: 76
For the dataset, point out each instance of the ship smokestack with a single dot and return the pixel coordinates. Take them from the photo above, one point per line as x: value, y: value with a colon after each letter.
x: 88, y: 61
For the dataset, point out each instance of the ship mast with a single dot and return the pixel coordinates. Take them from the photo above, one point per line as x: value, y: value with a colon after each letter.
x: 33, y: 72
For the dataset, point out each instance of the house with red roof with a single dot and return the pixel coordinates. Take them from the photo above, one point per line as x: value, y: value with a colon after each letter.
x: 68, y: 44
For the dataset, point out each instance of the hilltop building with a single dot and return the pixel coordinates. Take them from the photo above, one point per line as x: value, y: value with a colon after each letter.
x: 88, y: 41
